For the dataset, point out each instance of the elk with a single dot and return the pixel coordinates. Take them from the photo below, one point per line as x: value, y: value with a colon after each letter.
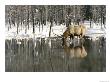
x: 75, y: 30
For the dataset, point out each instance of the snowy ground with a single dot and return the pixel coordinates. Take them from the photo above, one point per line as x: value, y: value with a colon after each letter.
x: 93, y: 32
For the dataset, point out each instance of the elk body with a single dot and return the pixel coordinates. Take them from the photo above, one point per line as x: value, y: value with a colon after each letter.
x: 75, y: 30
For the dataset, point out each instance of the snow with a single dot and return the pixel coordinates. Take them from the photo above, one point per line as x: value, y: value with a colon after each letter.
x: 95, y: 31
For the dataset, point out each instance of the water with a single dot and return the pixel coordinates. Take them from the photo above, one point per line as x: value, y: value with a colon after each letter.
x: 49, y: 55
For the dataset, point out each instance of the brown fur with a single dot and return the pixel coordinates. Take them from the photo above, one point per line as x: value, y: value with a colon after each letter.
x: 66, y: 33
x: 77, y: 52
x: 75, y: 30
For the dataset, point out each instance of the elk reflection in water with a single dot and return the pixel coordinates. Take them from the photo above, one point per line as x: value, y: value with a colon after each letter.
x: 75, y: 49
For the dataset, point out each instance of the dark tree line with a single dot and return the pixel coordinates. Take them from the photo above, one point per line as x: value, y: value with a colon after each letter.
x: 40, y: 15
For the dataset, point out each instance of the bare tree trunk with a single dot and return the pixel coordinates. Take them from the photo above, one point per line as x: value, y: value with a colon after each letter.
x: 64, y: 14
x: 104, y: 21
x: 42, y: 21
x: 39, y: 26
x: 41, y: 11
x: 28, y: 17
x: 17, y: 23
x: 90, y: 23
x: 101, y: 21
x: 101, y: 18
x: 46, y: 13
x: 33, y: 19
x: 10, y: 22
x: 17, y: 26
x: 50, y: 27
x: 50, y: 30
x: 18, y: 19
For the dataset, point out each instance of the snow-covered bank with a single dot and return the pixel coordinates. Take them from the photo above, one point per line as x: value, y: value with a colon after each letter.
x: 95, y: 31
x: 28, y: 33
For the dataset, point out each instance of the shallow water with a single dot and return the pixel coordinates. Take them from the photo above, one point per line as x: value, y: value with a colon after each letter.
x: 49, y: 55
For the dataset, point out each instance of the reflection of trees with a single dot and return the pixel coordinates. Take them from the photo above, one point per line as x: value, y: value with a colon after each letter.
x: 96, y: 60
x: 37, y: 55
x: 77, y: 51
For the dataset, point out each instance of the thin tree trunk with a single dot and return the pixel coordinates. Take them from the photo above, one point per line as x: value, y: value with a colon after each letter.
x: 28, y: 18
x: 17, y: 26
x: 41, y: 18
x: 39, y: 26
x: 46, y: 12
x: 33, y: 20
x: 101, y: 22
x: 90, y: 22
x: 50, y: 28
x: 10, y: 22
x: 18, y: 19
